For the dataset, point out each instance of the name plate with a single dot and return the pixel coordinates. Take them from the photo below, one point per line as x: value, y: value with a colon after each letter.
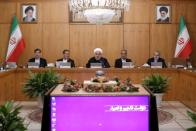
x: 154, y: 67
x: 33, y: 66
x: 65, y: 66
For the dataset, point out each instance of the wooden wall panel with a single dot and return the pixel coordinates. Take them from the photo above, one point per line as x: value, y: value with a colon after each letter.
x: 82, y: 42
x: 55, y: 40
x: 136, y: 41
x: 192, y: 32
x: 7, y: 11
x: 186, y: 9
x: 55, y: 11
x: 4, y: 38
x: 140, y: 7
x: 163, y: 38
x: 32, y: 35
x: 110, y: 39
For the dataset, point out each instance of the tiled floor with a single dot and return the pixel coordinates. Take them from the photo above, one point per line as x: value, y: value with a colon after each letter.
x: 180, y: 122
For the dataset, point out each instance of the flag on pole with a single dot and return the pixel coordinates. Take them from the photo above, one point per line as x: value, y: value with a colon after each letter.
x: 184, y: 44
x: 16, y: 43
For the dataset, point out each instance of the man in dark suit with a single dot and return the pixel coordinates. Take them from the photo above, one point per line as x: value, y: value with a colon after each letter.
x: 66, y: 58
x: 98, y: 59
x: 118, y: 62
x: 157, y: 58
x: 37, y: 58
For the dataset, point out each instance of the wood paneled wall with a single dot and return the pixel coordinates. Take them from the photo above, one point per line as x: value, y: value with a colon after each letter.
x: 138, y: 33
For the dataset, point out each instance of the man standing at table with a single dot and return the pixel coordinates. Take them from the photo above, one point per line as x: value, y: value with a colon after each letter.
x: 123, y: 58
x: 157, y: 58
x: 66, y: 58
x: 37, y: 58
x: 98, y: 59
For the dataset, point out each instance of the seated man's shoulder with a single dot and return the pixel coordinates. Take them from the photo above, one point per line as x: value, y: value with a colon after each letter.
x: 151, y: 59
x: 104, y: 58
x: 60, y: 59
x: 31, y: 59
x: 162, y: 59
x: 71, y: 60
x: 43, y: 59
x: 129, y: 60
x: 92, y: 58
x: 118, y: 59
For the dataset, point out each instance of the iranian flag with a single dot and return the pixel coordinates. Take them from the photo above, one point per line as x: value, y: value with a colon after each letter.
x: 16, y: 43
x: 183, y: 45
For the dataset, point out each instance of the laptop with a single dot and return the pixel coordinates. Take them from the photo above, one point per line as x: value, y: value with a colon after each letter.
x: 127, y: 65
x: 33, y: 65
x: 64, y: 65
x: 95, y: 65
x: 156, y: 65
x: 11, y: 65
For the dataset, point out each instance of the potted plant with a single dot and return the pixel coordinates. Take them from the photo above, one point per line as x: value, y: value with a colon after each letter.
x: 192, y: 115
x: 39, y: 83
x: 157, y: 84
x: 9, y: 119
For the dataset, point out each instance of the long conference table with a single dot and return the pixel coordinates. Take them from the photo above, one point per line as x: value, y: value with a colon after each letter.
x: 182, y: 83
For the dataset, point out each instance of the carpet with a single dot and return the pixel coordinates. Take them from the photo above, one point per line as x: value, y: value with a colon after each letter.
x: 163, y: 116
x: 36, y: 115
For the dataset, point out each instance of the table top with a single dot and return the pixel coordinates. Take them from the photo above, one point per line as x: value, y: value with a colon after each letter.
x: 58, y: 92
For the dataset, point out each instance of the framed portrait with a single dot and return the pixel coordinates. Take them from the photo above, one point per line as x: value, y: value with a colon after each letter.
x: 78, y: 17
x: 29, y: 13
x: 163, y: 14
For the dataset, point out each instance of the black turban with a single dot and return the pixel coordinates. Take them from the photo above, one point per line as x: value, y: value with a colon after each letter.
x: 163, y: 8
x: 29, y: 8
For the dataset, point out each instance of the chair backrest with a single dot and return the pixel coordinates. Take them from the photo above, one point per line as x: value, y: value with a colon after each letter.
x: 178, y: 61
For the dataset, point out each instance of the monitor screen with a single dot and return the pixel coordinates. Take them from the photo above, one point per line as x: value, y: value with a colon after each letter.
x: 156, y: 64
x: 96, y: 65
x: 100, y: 113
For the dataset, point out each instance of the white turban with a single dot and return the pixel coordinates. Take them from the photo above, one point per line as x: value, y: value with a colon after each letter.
x: 98, y: 50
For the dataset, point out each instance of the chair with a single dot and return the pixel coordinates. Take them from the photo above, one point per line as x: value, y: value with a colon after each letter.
x: 178, y: 62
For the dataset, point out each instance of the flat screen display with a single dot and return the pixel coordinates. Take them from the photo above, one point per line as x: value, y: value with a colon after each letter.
x: 99, y: 113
